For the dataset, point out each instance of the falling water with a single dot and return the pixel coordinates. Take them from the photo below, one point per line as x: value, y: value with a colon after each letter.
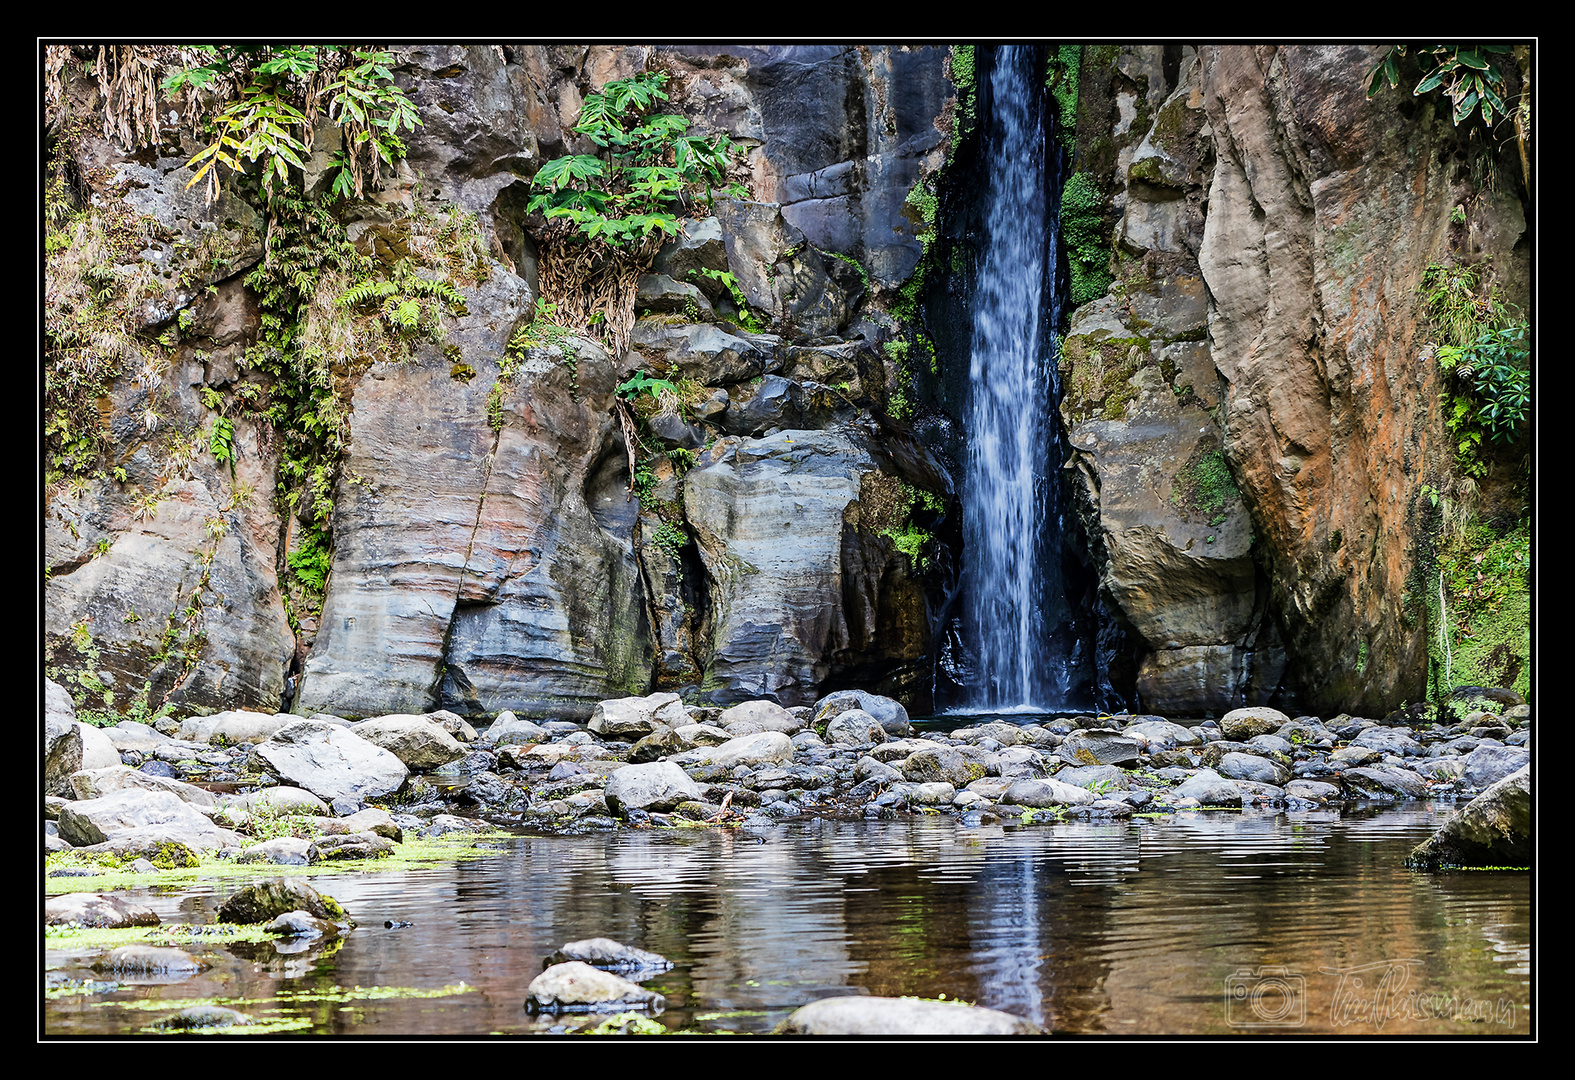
x: 1011, y: 515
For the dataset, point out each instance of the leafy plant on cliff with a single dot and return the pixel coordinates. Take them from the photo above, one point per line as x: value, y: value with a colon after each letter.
x: 1465, y: 74
x: 605, y: 215
x: 266, y: 99
x: 1485, y: 350
x: 651, y: 170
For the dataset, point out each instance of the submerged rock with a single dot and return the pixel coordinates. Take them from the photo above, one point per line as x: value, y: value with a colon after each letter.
x: 204, y: 1016
x: 900, y: 1016
x: 262, y: 903
x: 151, y: 960
x: 609, y: 955
x: 93, y: 909
x: 578, y: 987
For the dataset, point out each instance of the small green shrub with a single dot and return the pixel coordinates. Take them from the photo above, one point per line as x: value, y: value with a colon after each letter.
x: 651, y: 168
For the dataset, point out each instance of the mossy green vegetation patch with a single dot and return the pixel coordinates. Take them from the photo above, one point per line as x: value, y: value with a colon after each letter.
x: 409, y: 855
x: 180, y: 935
x: 1205, y: 486
x: 1479, y: 607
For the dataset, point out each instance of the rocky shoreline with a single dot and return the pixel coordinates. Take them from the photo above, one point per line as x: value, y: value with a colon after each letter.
x: 220, y: 784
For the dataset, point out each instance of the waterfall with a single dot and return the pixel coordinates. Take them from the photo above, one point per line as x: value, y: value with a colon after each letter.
x: 1015, y: 601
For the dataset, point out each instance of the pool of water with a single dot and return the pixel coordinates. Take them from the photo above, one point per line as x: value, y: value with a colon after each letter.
x: 1198, y: 923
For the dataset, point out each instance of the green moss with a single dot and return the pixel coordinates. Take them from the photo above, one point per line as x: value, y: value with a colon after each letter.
x: 1084, y: 237
x: 1481, y: 635
x: 1065, y: 66
x: 1146, y: 170
x: 1205, y: 485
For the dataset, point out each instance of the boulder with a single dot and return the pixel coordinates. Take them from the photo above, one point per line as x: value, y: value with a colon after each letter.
x: 855, y: 727
x: 762, y: 748
x: 266, y: 901
x: 634, y: 718
x: 1493, y: 829
x: 96, y: 783
x: 149, y: 960
x: 134, y: 813
x: 891, y: 716
x: 1045, y: 793
x: 420, y: 742
x: 578, y: 987
x: 1240, y: 725
x: 330, y: 762
x: 659, y: 785
x: 900, y: 1016
x: 609, y: 955
x: 92, y: 909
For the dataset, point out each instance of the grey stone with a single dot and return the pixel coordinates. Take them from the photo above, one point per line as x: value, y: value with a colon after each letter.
x: 900, y: 1016
x: 330, y: 762
x: 659, y: 785
x: 610, y: 955
x: 1494, y: 829
x: 93, y: 909
x: 578, y: 987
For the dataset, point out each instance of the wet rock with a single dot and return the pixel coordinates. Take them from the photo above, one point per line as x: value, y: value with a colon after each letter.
x: 765, y: 747
x: 419, y: 742
x: 264, y: 902
x: 201, y: 1017
x: 301, y: 924
x: 330, y: 762
x: 1313, y: 791
x: 1494, y: 829
x: 609, y: 955
x: 1487, y: 765
x: 150, y: 960
x: 1383, y: 782
x: 1209, y: 788
x: 578, y: 987
x: 1045, y: 793
x: 900, y: 1016
x: 96, y: 910
x: 1242, y: 724
x: 659, y: 785
x: 1259, y: 770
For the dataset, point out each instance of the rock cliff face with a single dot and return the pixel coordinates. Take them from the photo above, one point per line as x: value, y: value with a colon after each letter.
x: 1275, y: 226
x: 1250, y: 407
x: 490, y: 549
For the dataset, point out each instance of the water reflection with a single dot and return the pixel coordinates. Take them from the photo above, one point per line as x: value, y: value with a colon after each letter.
x: 1140, y: 927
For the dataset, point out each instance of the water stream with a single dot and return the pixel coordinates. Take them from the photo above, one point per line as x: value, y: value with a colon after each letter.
x: 1208, y: 922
